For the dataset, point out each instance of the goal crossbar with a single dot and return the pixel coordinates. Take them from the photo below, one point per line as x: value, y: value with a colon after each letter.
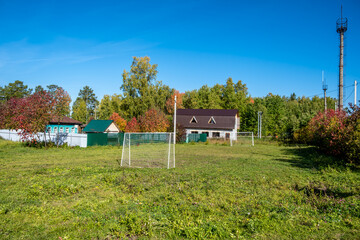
x: 147, y: 149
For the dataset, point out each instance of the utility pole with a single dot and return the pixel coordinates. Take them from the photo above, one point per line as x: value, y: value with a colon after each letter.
x: 341, y: 27
x: 259, y: 123
x: 355, y: 92
x: 175, y: 121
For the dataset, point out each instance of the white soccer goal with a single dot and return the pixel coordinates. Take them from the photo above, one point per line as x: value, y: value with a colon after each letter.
x: 148, y: 150
x: 246, y: 138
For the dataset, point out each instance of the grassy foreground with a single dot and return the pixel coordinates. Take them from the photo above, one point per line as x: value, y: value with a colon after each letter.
x: 222, y: 192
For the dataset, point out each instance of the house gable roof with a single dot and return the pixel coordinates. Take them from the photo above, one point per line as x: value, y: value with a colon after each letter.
x: 207, y: 118
x: 65, y: 120
x: 207, y: 112
x: 97, y: 126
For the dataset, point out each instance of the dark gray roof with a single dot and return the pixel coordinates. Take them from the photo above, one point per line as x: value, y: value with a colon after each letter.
x: 207, y: 112
x: 225, y: 119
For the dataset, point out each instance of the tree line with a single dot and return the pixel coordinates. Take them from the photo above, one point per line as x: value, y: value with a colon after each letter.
x: 142, y: 92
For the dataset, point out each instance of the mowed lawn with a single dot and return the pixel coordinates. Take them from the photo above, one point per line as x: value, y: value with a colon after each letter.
x: 221, y: 192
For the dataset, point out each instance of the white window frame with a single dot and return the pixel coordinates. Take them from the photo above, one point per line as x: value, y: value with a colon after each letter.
x: 212, y: 135
x: 193, y: 118
x: 212, y: 118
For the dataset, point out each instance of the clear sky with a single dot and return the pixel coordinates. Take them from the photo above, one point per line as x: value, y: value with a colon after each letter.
x: 272, y: 46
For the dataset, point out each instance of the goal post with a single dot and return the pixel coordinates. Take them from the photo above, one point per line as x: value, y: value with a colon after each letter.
x: 148, y: 150
x: 246, y: 138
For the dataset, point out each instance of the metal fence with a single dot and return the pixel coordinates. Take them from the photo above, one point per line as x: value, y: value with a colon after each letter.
x: 72, y: 139
x: 195, y: 137
x: 102, y: 139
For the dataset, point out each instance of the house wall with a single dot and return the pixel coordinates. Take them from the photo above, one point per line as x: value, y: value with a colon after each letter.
x: 72, y: 139
x: 222, y: 132
x: 66, y: 128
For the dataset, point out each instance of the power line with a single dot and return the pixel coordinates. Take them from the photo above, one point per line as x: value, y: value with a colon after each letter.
x: 329, y: 91
x: 349, y: 95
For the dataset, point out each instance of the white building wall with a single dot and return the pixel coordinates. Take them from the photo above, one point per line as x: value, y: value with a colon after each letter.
x: 222, y: 132
x: 72, y: 139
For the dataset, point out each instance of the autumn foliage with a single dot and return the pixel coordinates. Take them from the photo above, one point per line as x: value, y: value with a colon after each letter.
x: 153, y: 121
x: 132, y: 126
x: 171, y: 102
x: 30, y: 115
x: 120, y: 122
x: 336, y: 133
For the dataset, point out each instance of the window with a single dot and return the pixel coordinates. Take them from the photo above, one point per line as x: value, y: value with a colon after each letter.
x: 227, y: 135
x: 194, y: 131
x: 61, y: 129
x: 48, y: 129
x: 212, y: 121
x: 216, y: 134
x: 207, y: 133
x: 55, y: 129
x: 67, y: 130
x: 193, y: 120
x: 73, y: 129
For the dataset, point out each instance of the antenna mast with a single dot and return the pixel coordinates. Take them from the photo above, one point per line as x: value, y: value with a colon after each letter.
x: 341, y: 27
x: 325, y: 87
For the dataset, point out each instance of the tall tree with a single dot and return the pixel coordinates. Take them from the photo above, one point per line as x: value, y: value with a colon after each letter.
x: 153, y: 121
x: 105, y: 108
x: 52, y: 88
x: 62, y: 103
x: 229, y: 95
x: 16, y: 89
x: 88, y: 95
x: 203, y: 97
x: 39, y: 88
x: 79, y: 111
x: 191, y: 99
x: 171, y: 102
x: 116, y: 103
x: 215, y: 97
x: 242, y: 99
x: 141, y: 89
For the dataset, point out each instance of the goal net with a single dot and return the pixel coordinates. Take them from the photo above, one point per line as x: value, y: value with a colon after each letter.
x: 148, y: 150
x: 245, y: 138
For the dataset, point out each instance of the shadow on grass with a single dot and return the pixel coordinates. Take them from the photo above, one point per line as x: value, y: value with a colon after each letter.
x: 311, y: 158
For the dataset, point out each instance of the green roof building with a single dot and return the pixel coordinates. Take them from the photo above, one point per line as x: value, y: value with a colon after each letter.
x: 101, y: 126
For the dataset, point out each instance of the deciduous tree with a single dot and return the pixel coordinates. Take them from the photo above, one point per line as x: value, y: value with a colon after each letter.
x: 79, y: 111
x: 132, y: 126
x: 105, y: 108
x: 141, y: 89
x: 120, y: 122
x: 171, y: 102
x: 154, y: 121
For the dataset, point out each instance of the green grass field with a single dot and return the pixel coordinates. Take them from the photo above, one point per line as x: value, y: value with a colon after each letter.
x: 216, y: 191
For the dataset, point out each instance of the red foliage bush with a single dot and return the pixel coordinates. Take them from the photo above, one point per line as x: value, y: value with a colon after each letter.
x: 336, y: 133
x: 132, y: 126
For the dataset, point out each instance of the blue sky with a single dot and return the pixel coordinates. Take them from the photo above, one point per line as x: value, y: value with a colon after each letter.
x: 272, y: 46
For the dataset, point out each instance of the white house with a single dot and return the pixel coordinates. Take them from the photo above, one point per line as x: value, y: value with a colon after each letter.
x: 215, y: 123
